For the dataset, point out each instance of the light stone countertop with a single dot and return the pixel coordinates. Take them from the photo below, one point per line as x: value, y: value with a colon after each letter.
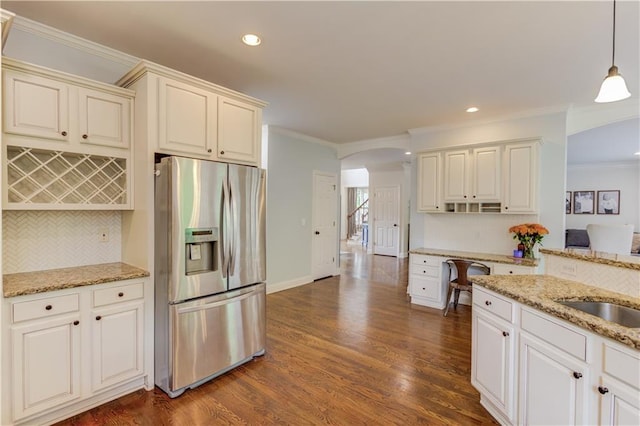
x: 57, y: 279
x: 542, y: 291
x: 486, y: 257
x: 618, y: 260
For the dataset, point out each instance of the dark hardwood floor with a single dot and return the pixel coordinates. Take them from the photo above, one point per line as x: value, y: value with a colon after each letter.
x: 347, y: 350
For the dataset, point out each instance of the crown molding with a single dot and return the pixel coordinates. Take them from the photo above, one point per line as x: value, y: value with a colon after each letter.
x: 585, y: 117
x: 292, y: 133
x: 72, y: 41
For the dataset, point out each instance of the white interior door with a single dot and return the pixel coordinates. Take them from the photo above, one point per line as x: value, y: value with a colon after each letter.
x: 325, y: 231
x: 386, y: 220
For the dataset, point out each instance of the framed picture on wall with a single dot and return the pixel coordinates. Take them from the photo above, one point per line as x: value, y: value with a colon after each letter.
x: 567, y: 203
x: 583, y: 202
x: 608, y: 202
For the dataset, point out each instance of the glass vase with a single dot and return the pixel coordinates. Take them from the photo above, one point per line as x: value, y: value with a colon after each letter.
x: 527, y: 253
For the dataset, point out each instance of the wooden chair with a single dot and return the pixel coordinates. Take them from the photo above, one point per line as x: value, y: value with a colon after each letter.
x: 462, y: 281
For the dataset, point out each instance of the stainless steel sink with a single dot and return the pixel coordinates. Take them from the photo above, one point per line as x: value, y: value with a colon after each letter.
x: 622, y: 315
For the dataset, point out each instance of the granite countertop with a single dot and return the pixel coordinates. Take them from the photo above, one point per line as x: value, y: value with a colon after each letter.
x: 486, y: 257
x: 57, y: 279
x: 619, y: 260
x: 541, y: 292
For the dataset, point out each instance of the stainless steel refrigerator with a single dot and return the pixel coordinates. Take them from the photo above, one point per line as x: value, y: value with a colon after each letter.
x: 209, y: 270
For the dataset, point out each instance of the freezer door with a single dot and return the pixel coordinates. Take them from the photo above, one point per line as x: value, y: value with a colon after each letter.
x: 246, y: 229
x: 214, y: 334
x: 195, y: 248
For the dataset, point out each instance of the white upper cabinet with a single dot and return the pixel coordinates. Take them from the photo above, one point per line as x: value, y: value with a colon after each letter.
x: 35, y: 106
x: 485, y: 176
x: 104, y: 119
x: 429, y: 182
x: 520, y: 178
x: 186, y: 118
x: 195, y: 118
x: 456, y: 175
x: 239, y: 130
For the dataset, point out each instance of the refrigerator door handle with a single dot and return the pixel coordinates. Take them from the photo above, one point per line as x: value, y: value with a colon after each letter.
x: 226, y: 218
x: 233, y: 234
x: 215, y: 304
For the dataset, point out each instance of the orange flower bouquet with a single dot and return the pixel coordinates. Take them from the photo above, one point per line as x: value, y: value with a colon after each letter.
x: 529, y: 234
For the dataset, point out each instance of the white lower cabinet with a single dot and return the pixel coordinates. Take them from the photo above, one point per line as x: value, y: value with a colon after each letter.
x: 426, y: 285
x: 71, y: 349
x: 46, y: 364
x: 557, y: 374
x: 552, y: 385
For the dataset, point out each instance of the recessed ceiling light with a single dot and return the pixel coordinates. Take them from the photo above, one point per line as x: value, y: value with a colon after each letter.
x: 251, y: 40
x: 407, y: 153
x: 472, y: 109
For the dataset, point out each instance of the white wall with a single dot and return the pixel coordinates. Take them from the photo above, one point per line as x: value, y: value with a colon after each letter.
x: 602, y: 177
x: 291, y: 161
x: 488, y: 233
x: 354, y: 178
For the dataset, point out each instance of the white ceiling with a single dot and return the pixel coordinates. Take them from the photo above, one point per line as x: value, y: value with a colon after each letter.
x: 351, y: 71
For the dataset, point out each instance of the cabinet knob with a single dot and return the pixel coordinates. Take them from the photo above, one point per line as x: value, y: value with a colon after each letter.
x: 506, y: 207
x: 424, y: 261
x: 423, y: 288
x: 487, y: 302
x: 603, y: 390
x: 424, y: 272
x: 505, y: 333
x: 48, y: 307
x: 464, y: 196
x: 76, y: 322
x: 85, y: 136
x: 474, y: 196
x: 98, y: 318
x: 437, y: 207
x: 209, y: 150
x: 221, y: 152
x: 577, y: 375
x: 120, y: 294
x: 63, y: 133
x: 317, y: 232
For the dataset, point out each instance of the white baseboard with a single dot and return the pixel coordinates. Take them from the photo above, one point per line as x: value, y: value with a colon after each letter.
x: 285, y: 285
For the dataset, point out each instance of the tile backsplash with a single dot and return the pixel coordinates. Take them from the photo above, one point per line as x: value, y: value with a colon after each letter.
x: 39, y: 240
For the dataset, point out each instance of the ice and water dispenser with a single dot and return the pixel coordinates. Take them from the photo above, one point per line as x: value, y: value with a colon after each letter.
x: 201, y: 251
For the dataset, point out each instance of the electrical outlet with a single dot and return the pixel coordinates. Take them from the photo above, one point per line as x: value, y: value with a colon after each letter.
x: 103, y: 235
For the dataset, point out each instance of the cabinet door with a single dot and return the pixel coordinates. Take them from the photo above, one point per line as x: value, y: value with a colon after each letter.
x: 429, y: 182
x: 46, y: 364
x: 486, y: 174
x: 104, y: 119
x: 619, y: 403
x: 520, y: 178
x: 492, y: 346
x: 238, y: 131
x: 187, y: 119
x: 456, y: 175
x: 117, y: 340
x: 552, y: 385
x: 35, y: 106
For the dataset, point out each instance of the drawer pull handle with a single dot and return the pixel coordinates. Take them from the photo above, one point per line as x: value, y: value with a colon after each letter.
x: 85, y: 136
x: 63, y: 133
x: 487, y: 302
x: 48, y: 307
x: 98, y: 318
x: 603, y: 390
x: 505, y: 333
x: 120, y: 294
x: 76, y: 322
x: 209, y: 150
x: 577, y: 375
x: 221, y: 152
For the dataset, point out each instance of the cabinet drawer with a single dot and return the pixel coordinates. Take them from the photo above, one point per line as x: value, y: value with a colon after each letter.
x: 417, y: 259
x: 107, y: 296
x: 558, y: 335
x: 621, y: 364
x: 42, y: 308
x: 425, y: 270
x: 425, y: 288
x: 505, y: 269
x: 490, y: 303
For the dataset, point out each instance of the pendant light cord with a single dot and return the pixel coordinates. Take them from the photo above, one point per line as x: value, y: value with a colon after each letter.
x: 613, y: 56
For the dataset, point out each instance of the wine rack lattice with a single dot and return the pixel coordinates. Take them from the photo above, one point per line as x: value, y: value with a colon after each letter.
x: 58, y: 177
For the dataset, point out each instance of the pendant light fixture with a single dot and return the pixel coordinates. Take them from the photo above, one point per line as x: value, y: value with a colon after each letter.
x: 613, y: 87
